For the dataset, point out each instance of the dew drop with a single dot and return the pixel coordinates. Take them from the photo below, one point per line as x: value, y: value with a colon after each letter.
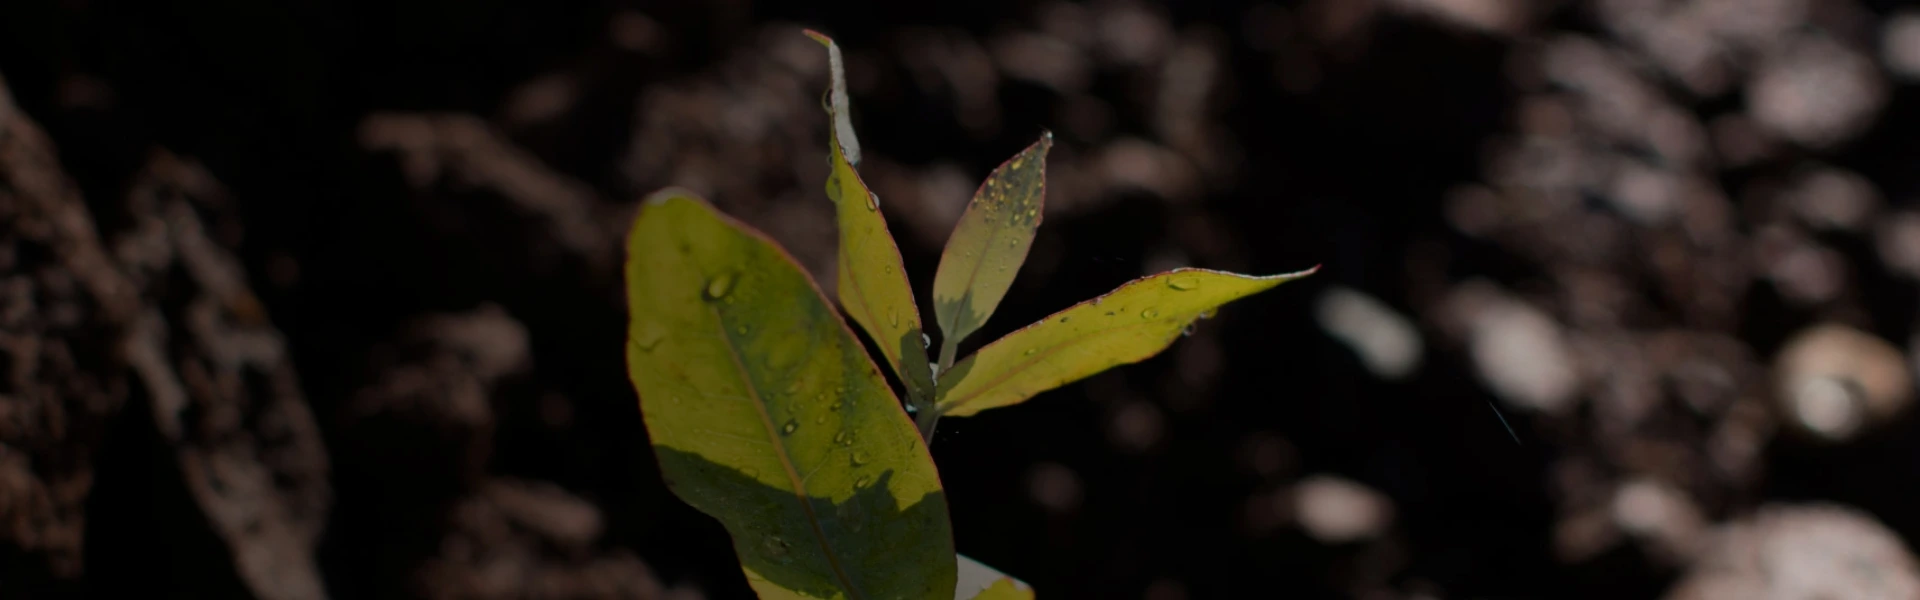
x: 889, y: 269
x: 648, y: 336
x: 774, y: 547
x: 1188, y: 332
x: 718, y: 287
x: 926, y: 341
x: 750, y: 472
x: 1064, y: 319
x: 893, y: 317
x: 843, y: 438
x: 1184, y: 283
x: 860, y: 457
x: 1029, y: 352
x: 789, y: 428
x: 873, y: 201
x: 742, y: 330
x: 1149, y: 313
x: 820, y: 420
x: 862, y: 482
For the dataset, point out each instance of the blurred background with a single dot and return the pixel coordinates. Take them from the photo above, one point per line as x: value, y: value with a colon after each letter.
x: 303, y: 300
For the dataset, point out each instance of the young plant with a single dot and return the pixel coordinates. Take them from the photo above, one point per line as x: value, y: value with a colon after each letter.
x: 766, y: 413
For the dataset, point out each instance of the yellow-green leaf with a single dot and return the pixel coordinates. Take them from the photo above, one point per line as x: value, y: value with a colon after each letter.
x: 981, y: 582
x: 873, y: 281
x: 766, y: 413
x: 989, y: 244
x: 1127, y: 325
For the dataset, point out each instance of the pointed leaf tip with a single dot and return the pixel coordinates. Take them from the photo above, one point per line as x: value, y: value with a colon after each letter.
x: 990, y: 243
x: 873, y: 280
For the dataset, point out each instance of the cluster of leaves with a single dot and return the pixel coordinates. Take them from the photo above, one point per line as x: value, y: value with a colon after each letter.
x: 765, y: 411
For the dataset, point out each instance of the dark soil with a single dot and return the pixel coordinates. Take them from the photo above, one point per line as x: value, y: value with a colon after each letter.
x: 304, y: 300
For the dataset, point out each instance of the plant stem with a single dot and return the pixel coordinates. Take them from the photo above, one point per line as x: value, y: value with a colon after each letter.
x: 948, y: 347
x: 926, y: 415
x: 927, y: 418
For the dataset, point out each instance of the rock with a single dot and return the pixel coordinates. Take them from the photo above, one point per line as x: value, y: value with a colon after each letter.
x: 1519, y: 352
x: 1834, y: 381
x: 1054, y: 487
x: 1659, y: 513
x: 1818, y: 551
x: 1386, y: 342
x: 1897, y: 237
x: 1831, y: 198
x: 1337, y: 511
x: 1815, y: 91
x: 1900, y: 44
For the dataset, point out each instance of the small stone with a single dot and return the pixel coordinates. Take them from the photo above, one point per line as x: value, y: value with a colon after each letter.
x: 1520, y: 353
x: 1337, y: 511
x: 1815, y: 91
x: 1386, y: 342
x: 1054, y: 487
x: 1816, y: 551
x: 1834, y: 381
x: 1833, y: 198
x: 1897, y: 238
x: 1900, y: 44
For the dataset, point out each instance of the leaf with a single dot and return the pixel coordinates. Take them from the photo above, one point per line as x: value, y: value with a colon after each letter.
x: 981, y: 582
x: 766, y: 413
x: 1129, y: 324
x: 873, y: 281
x: 989, y: 244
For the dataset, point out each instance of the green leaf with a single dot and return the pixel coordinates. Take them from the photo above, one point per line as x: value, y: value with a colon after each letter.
x: 873, y: 281
x: 1127, y: 325
x: 766, y: 413
x: 988, y: 246
x: 981, y: 582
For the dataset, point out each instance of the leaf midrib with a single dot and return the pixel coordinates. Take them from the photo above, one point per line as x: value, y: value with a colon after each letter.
x: 786, y: 462
x: 1028, y: 363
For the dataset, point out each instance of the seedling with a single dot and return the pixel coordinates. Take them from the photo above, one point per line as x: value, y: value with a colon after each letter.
x: 766, y: 413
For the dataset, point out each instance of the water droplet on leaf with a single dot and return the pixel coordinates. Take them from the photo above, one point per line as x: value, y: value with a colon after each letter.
x: 718, y: 287
x: 893, y: 317
x: 774, y: 547
x: 926, y: 341
x: 789, y: 428
x: 1184, y: 283
x: 648, y: 335
x: 862, y: 482
x: 860, y: 457
x: 1149, y: 313
x: 843, y: 438
x: 1029, y: 352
